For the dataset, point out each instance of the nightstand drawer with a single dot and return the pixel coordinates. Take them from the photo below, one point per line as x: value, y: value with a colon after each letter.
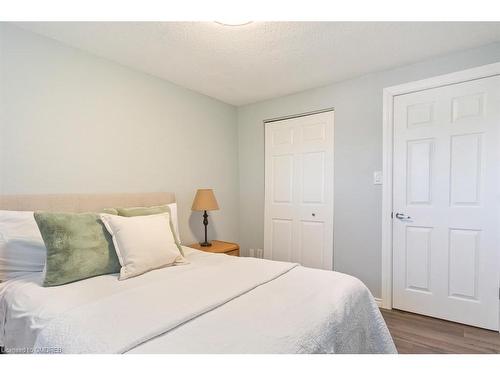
x: 235, y: 253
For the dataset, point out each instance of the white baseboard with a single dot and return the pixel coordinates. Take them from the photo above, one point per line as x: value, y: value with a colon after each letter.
x: 378, y: 301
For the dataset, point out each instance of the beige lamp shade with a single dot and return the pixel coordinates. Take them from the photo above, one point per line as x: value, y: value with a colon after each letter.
x: 204, y: 200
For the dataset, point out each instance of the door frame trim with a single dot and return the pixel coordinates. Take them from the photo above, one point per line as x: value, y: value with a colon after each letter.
x: 389, y: 93
x: 331, y: 109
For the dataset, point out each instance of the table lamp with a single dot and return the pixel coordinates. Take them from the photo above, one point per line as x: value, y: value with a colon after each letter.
x: 204, y: 200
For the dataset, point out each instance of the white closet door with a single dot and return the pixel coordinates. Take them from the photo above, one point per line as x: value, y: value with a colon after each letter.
x: 299, y: 190
x: 446, y: 179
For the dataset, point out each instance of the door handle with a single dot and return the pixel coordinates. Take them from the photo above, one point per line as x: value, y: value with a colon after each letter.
x: 401, y: 216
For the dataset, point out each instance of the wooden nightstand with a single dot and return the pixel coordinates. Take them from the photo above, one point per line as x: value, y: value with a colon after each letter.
x: 228, y: 248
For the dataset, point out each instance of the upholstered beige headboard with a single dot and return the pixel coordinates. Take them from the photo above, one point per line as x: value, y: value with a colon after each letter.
x: 82, y: 202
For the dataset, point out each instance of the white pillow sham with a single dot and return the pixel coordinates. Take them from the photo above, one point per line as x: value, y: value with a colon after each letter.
x: 142, y: 243
x: 175, y: 221
x: 172, y: 207
x: 21, y: 245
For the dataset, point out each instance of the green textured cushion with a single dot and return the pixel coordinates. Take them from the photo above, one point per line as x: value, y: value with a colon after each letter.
x: 78, y: 247
x: 154, y: 210
x: 142, y: 211
x: 111, y: 211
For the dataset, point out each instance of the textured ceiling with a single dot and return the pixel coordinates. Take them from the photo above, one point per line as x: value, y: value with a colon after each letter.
x: 262, y: 60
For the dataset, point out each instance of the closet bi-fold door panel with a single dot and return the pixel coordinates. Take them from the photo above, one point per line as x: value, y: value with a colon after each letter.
x: 299, y: 190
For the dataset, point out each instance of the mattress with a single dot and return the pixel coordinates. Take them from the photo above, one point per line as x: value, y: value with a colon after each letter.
x: 214, y: 304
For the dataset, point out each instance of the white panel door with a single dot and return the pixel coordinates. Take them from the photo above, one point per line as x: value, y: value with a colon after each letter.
x: 446, y: 211
x: 299, y: 190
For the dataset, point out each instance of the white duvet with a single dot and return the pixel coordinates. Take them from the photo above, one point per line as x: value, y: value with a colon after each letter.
x: 215, y: 304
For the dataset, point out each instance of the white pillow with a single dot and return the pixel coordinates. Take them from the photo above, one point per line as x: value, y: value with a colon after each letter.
x: 172, y: 207
x: 142, y: 243
x: 175, y: 221
x: 21, y: 245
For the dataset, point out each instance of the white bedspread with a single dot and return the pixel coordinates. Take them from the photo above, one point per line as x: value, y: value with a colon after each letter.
x: 216, y: 304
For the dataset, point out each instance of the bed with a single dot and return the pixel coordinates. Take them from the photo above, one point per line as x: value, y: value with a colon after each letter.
x: 268, y: 307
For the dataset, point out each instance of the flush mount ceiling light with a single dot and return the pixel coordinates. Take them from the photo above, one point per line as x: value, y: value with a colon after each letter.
x: 233, y: 22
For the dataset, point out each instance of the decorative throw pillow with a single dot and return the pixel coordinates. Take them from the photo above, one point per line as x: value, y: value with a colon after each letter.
x: 78, y: 247
x: 21, y: 246
x: 142, y: 243
x: 153, y: 210
x: 111, y: 211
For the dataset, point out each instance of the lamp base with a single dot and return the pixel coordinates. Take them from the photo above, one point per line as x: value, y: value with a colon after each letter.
x: 205, y: 244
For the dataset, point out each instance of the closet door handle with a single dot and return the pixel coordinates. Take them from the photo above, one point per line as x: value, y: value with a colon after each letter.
x: 401, y: 216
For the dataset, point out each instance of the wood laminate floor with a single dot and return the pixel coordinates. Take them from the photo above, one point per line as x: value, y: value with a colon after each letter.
x: 420, y: 334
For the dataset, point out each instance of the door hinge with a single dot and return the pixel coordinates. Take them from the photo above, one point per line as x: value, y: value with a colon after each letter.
x: 392, y: 215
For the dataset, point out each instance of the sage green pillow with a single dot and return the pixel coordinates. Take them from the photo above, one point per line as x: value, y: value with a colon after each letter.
x: 78, y: 247
x: 154, y: 210
x: 111, y: 211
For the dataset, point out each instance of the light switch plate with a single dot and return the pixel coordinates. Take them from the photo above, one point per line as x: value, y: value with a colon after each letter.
x: 377, y: 178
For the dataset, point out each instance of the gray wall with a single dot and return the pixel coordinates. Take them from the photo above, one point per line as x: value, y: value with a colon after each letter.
x: 358, y: 153
x: 72, y: 122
